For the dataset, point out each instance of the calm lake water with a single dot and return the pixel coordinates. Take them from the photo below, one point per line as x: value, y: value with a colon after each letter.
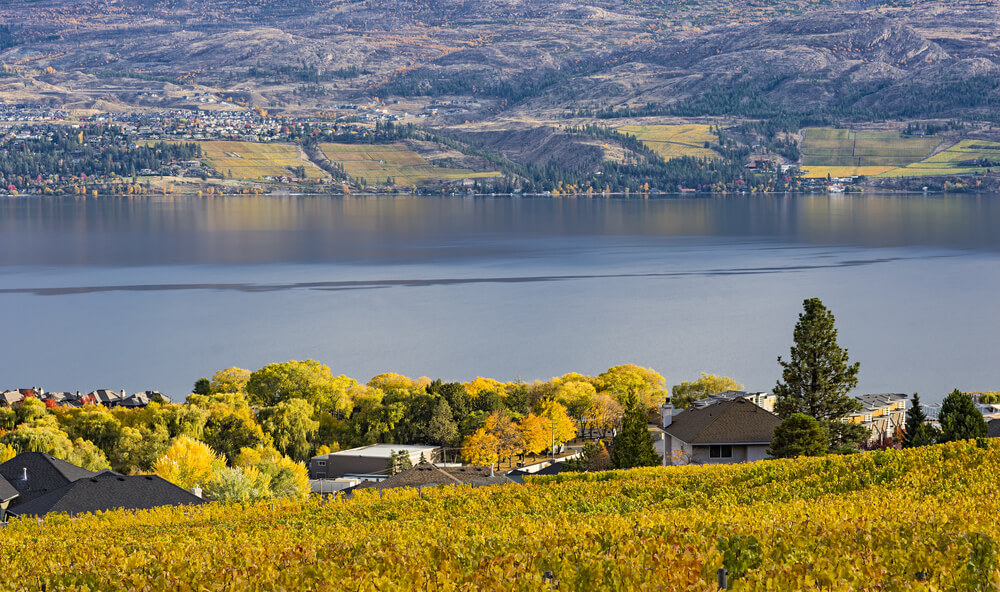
x: 154, y: 293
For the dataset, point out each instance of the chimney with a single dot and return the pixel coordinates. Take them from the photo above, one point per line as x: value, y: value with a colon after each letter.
x: 123, y: 393
x: 196, y: 490
x: 22, y: 483
x: 667, y: 413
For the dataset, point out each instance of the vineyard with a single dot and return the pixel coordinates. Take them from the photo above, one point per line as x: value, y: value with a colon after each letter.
x: 956, y: 160
x: 920, y: 519
x: 674, y: 141
x: 255, y: 161
x: 842, y: 153
x: 374, y: 164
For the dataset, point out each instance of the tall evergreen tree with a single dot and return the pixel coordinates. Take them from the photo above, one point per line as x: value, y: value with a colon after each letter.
x: 818, y: 375
x: 633, y: 447
x: 917, y: 432
x: 960, y: 419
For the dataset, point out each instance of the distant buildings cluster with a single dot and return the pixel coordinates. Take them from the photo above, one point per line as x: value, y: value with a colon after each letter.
x: 105, y: 397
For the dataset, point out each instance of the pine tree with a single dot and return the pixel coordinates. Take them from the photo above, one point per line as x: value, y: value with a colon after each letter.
x: 960, y: 419
x: 798, y: 435
x: 917, y: 432
x: 818, y: 376
x: 633, y: 447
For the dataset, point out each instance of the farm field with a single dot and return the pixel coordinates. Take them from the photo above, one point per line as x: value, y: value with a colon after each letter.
x: 374, y: 164
x: 674, y: 141
x: 920, y: 519
x: 255, y: 161
x: 841, y: 152
x: 950, y: 161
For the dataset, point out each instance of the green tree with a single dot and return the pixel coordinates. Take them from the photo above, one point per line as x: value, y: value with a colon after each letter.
x: 798, y: 435
x: 307, y: 380
x: 818, y: 376
x: 683, y: 394
x: 95, y: 423
x: 442, y: 429
x: 960, y: 419
x: 291, y: 427
x: 633, y: 447
x: 228, y: 430
x: 593, y: 457
x: 917, y: 432
x: 201, y: 386
x: 238, y: 484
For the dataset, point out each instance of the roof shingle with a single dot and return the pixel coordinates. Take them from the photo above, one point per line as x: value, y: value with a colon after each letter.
x: 730, y: 422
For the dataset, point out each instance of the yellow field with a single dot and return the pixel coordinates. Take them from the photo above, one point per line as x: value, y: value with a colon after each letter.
x: 842, y: 152
x: 254, y: 161
x: 674, y: 141
x: 374, y: 164
x: 947, y: 162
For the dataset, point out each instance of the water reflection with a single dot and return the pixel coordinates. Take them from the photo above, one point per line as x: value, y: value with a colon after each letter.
x: 183, y: 230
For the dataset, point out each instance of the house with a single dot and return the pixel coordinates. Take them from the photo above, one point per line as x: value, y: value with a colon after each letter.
x: 107, y: 397
x: 764, y: 400
x: 34, y: 474
x: 882, y: 413
x: 993, y: 428
x: 7, y: 493
x: 427, y: 474
x: 725, y: 432
x: 367, y: 460
x: 108, y: 491
x: 10, y: 398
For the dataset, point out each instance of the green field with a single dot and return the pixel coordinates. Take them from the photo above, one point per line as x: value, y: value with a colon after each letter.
x: 674, y: 141
x: 255, y: 161
x: 841, y: 152
x: 947, y: 162
x: 373, y: 164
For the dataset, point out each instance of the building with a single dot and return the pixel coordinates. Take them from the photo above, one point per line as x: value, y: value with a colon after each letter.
x: 367, y: 460
x: 884, y: 414
x: 725, y: 432
x: 108, y: 491
x: 34, y: 474
x: 7, y: 493
x: 763, y: 400
x: 427, y: 474
x: 43, y: 483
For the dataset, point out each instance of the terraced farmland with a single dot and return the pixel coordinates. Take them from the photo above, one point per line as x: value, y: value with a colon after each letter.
x: 955, y: 160
x: 255, y: 161
x: 375, y: 164
x: 843, y: 153
x: 674, y: 141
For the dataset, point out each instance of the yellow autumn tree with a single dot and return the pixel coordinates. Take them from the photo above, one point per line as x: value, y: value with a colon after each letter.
x: 604, y: 414
x: 535, y: 434
x: 230, y: 381
x: 7, y: 452
x: 188, y: 463
x: 481, y: 448
x: 482, y: 385
x: 683, y: 394
x: 562, y: 427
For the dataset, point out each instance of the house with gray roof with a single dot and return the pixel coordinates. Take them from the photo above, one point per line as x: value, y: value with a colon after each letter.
x: 7, y: 493
x: 34, y: 474
x: 726, y: 432
x: 427, y: 474
x: 108, y: 491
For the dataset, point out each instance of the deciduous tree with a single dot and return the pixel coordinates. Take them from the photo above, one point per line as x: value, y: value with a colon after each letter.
x: 683, y: 394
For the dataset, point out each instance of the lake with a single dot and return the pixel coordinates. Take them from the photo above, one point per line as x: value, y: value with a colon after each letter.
x: 153, y: 293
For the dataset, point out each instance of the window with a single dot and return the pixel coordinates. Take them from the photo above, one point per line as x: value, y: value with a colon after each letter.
x: 321, y: 463
x: 720, y: 451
